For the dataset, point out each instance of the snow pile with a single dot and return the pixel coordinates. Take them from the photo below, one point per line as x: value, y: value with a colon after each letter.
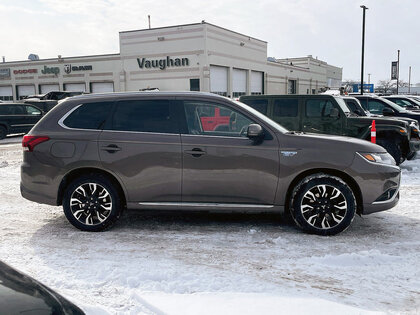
x: 197, y: 263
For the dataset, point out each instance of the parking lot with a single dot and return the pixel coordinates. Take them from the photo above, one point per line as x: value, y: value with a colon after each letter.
x: 190, y: 263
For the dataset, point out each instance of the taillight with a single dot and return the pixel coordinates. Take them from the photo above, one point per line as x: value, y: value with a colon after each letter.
x: 30, y: 142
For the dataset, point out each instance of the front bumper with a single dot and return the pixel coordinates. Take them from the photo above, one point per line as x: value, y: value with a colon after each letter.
x: 379, y: 184
x: 414, y: 145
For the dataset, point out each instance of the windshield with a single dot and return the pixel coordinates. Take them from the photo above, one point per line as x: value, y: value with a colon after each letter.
x: 393, y: 105
x: 261, y: 116
x: 342, y: 104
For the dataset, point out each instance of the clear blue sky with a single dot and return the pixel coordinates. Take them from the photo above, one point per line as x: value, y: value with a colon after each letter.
x: 329, y: 29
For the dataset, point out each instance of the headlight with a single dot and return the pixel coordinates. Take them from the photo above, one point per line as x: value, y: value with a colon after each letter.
x: 382, y: 158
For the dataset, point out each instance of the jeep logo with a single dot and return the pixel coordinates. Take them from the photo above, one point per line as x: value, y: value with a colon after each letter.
x: 54, y: 70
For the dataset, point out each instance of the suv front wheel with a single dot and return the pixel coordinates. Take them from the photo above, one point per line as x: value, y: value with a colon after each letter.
x: 91, y: 203
x: 323, y: 204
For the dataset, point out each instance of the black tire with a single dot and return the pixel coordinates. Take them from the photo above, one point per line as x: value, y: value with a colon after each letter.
x: 411, y: 156
x: 327, y: 216
x: 393, y: 148
x: 96, y: 203
x: 3, y: 132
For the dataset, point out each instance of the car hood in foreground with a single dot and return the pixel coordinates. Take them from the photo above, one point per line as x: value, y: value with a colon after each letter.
x: 20, y: 294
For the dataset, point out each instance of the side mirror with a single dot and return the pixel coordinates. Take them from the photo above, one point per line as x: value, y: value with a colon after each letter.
x: 254, y: 131
x: 388, y: 112
x: 334, y: 113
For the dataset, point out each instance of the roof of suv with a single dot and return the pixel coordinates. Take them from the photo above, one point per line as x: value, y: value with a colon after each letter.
x: 154, y: 93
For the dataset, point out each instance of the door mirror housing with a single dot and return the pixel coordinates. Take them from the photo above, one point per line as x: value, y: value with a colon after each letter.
x: 388, y: 112
x: 334, y: 113
x: 255, y: 131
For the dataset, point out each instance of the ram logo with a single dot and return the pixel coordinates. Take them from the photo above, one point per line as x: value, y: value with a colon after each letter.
x: 67, y: 68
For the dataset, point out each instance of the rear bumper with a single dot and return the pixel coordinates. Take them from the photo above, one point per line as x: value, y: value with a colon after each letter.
x: 37, y: 196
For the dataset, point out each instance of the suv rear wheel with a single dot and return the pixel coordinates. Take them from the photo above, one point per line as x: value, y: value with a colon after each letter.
x: 322, y: 204
x: 92, y: 203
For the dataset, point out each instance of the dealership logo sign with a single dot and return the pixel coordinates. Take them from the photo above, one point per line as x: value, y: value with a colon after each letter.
x: 68, y: 68
x: 25, y: 71
x: 53, y: 70
x: 5, y: 73
x: 162, y: 64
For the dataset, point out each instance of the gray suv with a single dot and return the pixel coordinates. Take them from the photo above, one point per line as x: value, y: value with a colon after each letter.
x: 98, y: 154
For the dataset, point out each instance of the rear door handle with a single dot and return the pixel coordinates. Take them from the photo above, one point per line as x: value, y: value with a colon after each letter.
x: 112, y: 148
x: 196, y: 152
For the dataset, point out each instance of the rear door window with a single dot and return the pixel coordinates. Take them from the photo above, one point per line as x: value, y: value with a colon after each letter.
x: 89, y: 116
x: 157, y: 116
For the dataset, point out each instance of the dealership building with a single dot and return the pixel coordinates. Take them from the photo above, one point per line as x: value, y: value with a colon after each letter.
x: 192, y: 57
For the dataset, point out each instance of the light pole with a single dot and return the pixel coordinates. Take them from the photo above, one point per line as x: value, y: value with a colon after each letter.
x: 363, y: 48
x: 409, y: 79
x: 368, y: 78
x: 398, y: 69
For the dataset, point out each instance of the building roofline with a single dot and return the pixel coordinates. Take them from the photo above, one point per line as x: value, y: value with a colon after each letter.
x: 56, y: 58
x: 192, y: 24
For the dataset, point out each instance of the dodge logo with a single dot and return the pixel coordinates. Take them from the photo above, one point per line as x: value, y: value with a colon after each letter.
x: 67, y: 68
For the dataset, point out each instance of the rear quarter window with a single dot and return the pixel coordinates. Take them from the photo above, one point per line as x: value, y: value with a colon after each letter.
x: 89, y: 116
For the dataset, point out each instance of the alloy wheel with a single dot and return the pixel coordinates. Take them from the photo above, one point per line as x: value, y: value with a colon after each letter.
x: 90, y: 204
x: 323, y: 206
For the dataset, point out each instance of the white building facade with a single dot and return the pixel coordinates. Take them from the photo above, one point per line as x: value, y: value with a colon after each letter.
x: 193, y: 57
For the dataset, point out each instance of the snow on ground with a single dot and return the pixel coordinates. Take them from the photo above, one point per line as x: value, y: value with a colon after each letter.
x: 198, y: 263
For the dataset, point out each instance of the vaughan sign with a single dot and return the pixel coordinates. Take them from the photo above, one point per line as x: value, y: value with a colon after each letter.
x: 162, y: 64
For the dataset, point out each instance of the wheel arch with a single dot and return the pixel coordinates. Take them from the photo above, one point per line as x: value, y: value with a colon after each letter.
x: 73, y: 174
x: 333, y: 172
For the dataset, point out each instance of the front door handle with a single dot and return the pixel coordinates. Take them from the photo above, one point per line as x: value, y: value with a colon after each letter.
x: 112, y: 148
x: 196, y: 152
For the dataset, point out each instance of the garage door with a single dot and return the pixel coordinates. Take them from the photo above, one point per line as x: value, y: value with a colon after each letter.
x: 25, y: 90
x: 6, y: 93
x: 219, y: 80
x: 45, y: 88
x: 256, y: 82
x: 75, y: 87
x: 101, y: 87
x: 239, y: 82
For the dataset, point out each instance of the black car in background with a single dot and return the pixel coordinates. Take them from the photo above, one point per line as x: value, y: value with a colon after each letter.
x: 54, y: 95
x: 47, y: 101
x: 21, y: 294
x: 381, y: 106
x: 17, y: 118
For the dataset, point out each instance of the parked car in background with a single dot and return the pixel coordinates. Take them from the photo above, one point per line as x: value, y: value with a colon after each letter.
x: 381, y: 106
x: 54, y: 95
x: 404, y: 101
x: 98, y: 154
x: 328, y: 114
x: 21, y: 294
x: 356, y: 108
x: 47, y: 101
x: 17, y: 118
